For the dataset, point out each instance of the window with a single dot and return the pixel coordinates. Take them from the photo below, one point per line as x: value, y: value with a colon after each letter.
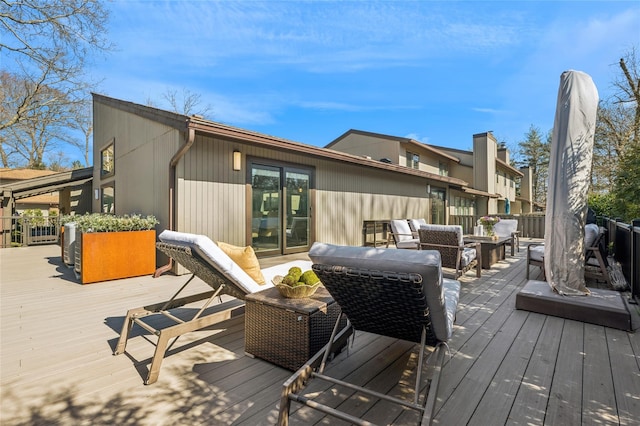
x: 413, y: 160
x: 108, y: 199
x: 443, y: 168
x: 497, y: 177
x: 107, y: 161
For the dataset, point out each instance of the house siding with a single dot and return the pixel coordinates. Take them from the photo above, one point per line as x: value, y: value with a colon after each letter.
x: 143, y: 149
x: 212, y: 196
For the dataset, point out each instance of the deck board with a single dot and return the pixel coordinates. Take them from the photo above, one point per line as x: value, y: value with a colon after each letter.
x: 506, y: 366
x: 565, y: 402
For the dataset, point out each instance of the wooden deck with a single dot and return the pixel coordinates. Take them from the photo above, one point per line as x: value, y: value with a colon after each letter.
x: 506, y: 366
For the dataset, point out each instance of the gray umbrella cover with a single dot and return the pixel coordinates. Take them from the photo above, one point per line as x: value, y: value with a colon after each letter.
x: 569, y: 177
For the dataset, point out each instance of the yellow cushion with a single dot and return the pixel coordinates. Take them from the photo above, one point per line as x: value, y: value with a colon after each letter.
x: 245, y: 258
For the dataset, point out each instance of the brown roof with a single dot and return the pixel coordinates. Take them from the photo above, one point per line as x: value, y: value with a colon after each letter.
x: 51, y: 199
x: 7, y: 175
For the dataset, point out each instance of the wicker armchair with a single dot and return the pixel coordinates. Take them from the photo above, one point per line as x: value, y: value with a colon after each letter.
x: 204, y: 259
x: 414, y: 304
x: 455, y: 254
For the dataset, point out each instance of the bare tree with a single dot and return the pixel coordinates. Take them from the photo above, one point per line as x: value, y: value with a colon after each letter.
x: 45, y: 45
x: 618, y: 124
x: 44, y: 127
x: 82, y: 122
x: 187, y: 102
x: 628, y: 85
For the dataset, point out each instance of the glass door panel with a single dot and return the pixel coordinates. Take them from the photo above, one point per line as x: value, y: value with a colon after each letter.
x: 297, y: 208
x: 266, y: 203
x: 438, y: 206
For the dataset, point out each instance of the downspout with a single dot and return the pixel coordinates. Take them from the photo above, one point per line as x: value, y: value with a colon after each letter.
x: 191, y: 137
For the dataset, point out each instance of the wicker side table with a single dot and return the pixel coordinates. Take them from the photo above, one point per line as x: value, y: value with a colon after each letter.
x: 288, y: 332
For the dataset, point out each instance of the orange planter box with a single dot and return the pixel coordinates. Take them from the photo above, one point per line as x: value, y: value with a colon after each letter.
x: 113, y: 255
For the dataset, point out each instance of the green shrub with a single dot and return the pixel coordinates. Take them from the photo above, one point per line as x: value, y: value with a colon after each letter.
x: 99, y: 222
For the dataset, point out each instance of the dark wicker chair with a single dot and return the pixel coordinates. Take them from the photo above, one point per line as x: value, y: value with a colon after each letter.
x: 415, y: 304
x: 193, y: 252
x: 448, y: 240
x: 594, y: 267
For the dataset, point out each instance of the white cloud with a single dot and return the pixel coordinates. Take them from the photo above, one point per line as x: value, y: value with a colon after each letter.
x: 417, y: 137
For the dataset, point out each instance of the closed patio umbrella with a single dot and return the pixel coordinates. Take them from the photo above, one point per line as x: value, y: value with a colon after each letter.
x: 569, y: 177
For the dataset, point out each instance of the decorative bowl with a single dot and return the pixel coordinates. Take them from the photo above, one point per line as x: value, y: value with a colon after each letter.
x: 297, y: 292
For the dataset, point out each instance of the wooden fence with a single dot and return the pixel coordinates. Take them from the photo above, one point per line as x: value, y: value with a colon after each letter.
x: 530, y: 225
x: 18, y: 231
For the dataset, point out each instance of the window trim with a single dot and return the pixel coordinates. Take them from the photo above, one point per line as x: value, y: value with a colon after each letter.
x: 111, y: 185
x: 106, y: 174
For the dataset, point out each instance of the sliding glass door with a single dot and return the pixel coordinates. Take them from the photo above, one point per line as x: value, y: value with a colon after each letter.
x: 281, y: 208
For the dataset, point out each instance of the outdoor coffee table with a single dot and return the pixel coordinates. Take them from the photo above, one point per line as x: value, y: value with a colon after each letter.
x: 288, y: 332
x: 492, y: 250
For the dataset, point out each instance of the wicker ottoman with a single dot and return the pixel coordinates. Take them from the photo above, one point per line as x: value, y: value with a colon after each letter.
x: 288, y: 332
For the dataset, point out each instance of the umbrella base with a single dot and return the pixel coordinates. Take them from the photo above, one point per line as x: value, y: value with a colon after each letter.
x: 602, y: 307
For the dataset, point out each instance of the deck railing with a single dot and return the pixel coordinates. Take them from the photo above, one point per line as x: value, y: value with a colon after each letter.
x: 18, y: 231
x: 626, y: 248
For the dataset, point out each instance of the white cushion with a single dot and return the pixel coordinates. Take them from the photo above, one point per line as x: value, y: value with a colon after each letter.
x: 505, y: 227
x: 210, y: 252
x: 591, y: 232
x: 411, y: 243
x: 415, y: 224
x: 403, y: 236
x: 468, y: 255
x: 401, y: 229
x: 537, y: 253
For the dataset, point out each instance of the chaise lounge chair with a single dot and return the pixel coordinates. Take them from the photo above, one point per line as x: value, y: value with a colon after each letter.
x: 205, y: 260
x: 414, y: 303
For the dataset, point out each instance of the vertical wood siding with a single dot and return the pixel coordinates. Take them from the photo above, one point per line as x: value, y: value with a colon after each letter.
x: 143, y: 149
x: 211, y: 195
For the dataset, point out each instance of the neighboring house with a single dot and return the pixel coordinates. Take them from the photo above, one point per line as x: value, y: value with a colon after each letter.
x: 44, y: 190
x: 491, y: 179
x: 65, y: 192
x: 43, y: 202
x: 248, y: 188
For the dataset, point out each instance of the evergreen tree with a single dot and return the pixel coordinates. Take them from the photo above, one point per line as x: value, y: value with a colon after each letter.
x: 534, y: 152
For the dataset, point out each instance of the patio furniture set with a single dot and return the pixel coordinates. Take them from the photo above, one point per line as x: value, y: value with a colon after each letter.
x: 459, y: 252
x: 410, y: 300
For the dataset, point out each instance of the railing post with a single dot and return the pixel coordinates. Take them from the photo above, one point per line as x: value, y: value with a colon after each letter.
x: 635, y: 261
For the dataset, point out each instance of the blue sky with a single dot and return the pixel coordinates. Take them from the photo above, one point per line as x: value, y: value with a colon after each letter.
x: 308, y: 71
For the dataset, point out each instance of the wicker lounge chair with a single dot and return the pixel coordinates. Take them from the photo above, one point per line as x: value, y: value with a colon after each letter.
x: 205, y: 260
x: 414, y: 303
x: 448, y: 240
x: 402, y: 235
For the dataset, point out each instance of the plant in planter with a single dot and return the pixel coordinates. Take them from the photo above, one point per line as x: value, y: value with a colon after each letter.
x: 488, y: 222
x: 112, y: 247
